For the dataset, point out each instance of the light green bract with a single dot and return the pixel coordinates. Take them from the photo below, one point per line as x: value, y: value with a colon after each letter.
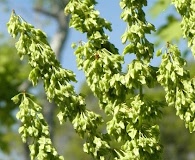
x: 186, y: 8
x: 34, y: 129
x: 178, y: 86
x: 132, y: 116
x: 133, y: 124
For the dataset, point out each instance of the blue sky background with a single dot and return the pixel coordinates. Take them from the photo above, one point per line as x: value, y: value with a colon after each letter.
x: 108, y: 9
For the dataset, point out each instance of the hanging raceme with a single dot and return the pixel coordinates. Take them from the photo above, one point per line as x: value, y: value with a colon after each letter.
x: 140, y: 73
x: 34, y: 129
x: 132, y: 116
x: 32, y: 42
x: 110, y: 86
x: 178, y: 85
x: 187, y: 10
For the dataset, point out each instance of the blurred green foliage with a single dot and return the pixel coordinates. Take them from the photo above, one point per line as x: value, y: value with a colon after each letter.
x: 175, y: 137
x: 158, y: 7
x: 12, y: 74
x: 170, y: 31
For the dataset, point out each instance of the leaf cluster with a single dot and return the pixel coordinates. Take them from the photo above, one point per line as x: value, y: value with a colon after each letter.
x: 133, y: 119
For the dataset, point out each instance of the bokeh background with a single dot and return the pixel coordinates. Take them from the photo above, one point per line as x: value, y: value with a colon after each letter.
x: 178, y: 143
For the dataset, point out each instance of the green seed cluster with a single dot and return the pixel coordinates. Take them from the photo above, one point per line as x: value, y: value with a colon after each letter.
x: 178, y: 86
x: 32, y: 43
x: 34, y: 129
x: 131, y: 130
x: 187, y: 10
x: 102, y: 65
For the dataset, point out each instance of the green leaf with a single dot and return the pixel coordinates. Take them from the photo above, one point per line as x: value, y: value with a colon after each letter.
x: 61, y: 117
x: 16, y: 98
x: 129, y: 49
x: 73, y: 45
x: 171, y: 31
x: 131, y: 131
x: 192, y: 126
x: 159, y: 7
x: 159, y: 52
x: 34, y: 76
x: 21, y: 129
x: 124, y: 37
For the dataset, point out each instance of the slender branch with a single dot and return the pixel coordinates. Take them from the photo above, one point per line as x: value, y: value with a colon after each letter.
x: 45, y: 12
x: 25, y: 86
x: 141, y: 92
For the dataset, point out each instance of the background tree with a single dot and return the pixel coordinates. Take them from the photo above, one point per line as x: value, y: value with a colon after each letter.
x: 11, y: 76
